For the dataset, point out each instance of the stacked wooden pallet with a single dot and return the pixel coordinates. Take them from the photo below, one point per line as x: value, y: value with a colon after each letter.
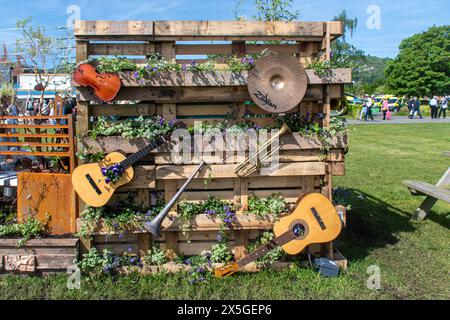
x: 190, y: 97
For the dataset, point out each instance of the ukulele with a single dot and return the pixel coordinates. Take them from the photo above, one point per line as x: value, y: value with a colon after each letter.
x: 314, y: 220
x: 92, y: 184
x: 106, y: 85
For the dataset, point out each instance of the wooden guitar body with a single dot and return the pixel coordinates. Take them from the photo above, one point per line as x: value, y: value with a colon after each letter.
x: 106, y: 85
x: 314, y: 220
x: 90, y: 184
x: 317, y: 219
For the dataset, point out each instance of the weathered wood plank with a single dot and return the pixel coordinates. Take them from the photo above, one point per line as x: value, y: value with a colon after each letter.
x: 100, y: 28
x: 125, y: 110
x: 176, y: 172
x: 429, y: 190
x: 200, y: 29
x: 121, y: 49
x: 46, y: 242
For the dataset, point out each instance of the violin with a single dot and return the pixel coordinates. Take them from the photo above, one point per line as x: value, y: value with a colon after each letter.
x: 105, y: 85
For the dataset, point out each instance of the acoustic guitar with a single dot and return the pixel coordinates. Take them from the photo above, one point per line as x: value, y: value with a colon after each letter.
x: 314, y: 220
x: 105, y: 85
x: 95, y: 188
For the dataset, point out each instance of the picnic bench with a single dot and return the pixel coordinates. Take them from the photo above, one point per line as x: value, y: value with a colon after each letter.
x: 440, y: 191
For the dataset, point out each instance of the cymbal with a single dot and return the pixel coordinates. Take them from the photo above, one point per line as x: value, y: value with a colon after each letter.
x: 277, y: 83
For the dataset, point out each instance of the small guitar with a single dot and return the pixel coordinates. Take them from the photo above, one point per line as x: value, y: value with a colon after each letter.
x: 95, y: 183
x: 314, y: 220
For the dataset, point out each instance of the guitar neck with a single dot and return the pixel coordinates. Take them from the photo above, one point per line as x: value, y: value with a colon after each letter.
x: 260, y: 252
x: 131, y: 160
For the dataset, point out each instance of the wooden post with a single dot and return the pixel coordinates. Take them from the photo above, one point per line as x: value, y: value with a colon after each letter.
x: 82, y: 118
x: 240, y: 243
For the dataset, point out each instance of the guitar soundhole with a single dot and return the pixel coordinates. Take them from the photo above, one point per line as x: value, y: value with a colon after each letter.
x: 299, y: 230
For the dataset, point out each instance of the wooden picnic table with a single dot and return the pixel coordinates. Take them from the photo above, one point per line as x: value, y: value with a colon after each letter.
x: 440, y: 191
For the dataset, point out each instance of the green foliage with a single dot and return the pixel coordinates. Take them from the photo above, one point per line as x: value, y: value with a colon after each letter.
x: 155, y: 256
x: 112, y: 65
x: 32, y: 228
x: 45, y: 54
x: 274, y: 205
x: 7, y: 91
x: 94, y: 263
x: 275, y: 10
x: 122, y: 218
x: 149, y: 128
x: 7, y: 214
x: 367, y: 71
x: 422, y: 66
x: 221, y: 252
x: 91, y: 263
x: 200, y: 266
x: 91, y: 158
x: 321, y: 67
x: 270, y: 257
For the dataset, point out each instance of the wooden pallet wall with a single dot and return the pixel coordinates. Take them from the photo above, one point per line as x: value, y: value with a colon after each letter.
x: 210, y: 97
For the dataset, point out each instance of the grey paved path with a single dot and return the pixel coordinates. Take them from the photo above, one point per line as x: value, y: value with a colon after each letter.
x: 398, y: 120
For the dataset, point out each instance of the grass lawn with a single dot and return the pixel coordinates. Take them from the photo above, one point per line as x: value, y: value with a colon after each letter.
x: 414, y: 258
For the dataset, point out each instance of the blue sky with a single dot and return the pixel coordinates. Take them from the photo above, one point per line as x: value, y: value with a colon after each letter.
x: 399, y: 18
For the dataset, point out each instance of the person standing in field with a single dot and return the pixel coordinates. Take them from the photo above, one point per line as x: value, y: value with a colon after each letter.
x: 385, y: 107
x: 434, y: 107
x: 369, y: 104
x: 443, y: 109
x: 363, y: 109
x: 411, y: 107
x: 416, y: 110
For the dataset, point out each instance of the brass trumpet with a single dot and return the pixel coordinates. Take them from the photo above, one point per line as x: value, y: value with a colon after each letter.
x: 252, y: 164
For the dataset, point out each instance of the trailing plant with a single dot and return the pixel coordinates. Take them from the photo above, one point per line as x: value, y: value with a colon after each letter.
x: 272, y: 256
x: 31, y: 228
x: 200, y: 266
x: 91, y: 263
x: 155, y: 256
x: 122, y: 218
x: 321, y: 67
x: 112, y: 65
x: 213, y: 207
x: 221, y: 252
x: 85, y: 157
x: 140, y: 127
x: 274, y: 205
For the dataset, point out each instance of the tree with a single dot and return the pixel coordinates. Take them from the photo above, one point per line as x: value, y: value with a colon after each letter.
x: 46, y: 54
x: 422, y: 66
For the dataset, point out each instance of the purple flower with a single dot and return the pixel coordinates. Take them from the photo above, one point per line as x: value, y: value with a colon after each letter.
x: 210, y: 212
x: 107, y: 180
x: 120, y: 236
x: 184, y: 67
x: 219, y: 237
x: 251, y: 61
x: 130, y: 249
x: 136, y: 75
x: 188, y: 261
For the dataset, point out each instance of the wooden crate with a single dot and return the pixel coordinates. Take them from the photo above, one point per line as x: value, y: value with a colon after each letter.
x: 38, y: 255
x: 191, y: 97
x: 42, y: 195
